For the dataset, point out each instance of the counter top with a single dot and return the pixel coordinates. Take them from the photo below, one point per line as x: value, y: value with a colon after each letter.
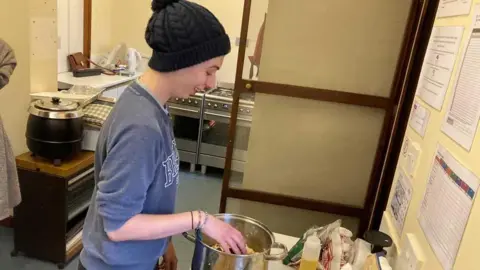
x: 100, y: 81
x: 67, y: 169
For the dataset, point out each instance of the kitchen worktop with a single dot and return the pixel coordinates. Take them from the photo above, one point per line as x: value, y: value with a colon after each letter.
x: 100, y: 81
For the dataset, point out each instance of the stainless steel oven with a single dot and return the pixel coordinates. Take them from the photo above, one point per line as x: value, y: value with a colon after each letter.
x: 214, y: 138
x: 186, y: 117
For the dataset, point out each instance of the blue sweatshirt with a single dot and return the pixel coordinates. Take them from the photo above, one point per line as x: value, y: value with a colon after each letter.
x: 136, y: 172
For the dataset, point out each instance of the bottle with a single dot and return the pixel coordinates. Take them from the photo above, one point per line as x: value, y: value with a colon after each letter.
x: 311, y: 253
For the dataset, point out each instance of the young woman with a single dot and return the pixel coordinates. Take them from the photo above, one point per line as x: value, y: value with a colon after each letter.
x: 131, y: 217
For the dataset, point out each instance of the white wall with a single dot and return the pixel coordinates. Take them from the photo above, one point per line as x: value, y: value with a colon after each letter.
x: 70, y: 30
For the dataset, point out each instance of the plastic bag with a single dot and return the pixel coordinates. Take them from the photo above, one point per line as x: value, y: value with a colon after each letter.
x: 337, y: 250
x: 337, y: 247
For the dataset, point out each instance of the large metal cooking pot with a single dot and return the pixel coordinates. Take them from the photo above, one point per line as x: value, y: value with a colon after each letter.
x: 258, y: 237
x: 55, y: 128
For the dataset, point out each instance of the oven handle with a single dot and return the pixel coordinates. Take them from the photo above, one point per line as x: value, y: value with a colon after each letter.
x: 183, y: 109
x: 228, y: 116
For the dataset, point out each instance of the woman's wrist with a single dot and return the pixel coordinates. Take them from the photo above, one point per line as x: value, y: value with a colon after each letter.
x: 199, y: 219
x: 196, y: 219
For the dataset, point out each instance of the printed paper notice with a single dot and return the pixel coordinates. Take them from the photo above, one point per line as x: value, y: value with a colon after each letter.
x: 446, y: 206
x: 419, y: 118
x: 438, y: 64
x: 402, y: 195
x: 464, y: 112
x: 448, y: 8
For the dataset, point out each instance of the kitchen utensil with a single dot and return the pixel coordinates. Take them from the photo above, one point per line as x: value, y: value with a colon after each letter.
x: 258, y: 237
x: 54, y: 128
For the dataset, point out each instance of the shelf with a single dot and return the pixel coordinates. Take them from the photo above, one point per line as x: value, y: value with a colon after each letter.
x: 74, y: 246
x: 81, y: 178
x: 49, y: 221
x: 80, y: 205
x: 79, y: 196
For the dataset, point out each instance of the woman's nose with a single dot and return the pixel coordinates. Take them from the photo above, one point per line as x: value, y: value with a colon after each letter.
x: 211, y: 81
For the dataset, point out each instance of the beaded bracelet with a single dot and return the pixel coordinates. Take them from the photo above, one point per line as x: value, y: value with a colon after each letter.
x: 191, y: 213
x: 199, y: 219
x: 205, y: 220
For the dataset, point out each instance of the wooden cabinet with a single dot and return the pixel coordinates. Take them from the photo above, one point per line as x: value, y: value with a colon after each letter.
x: 55, y: 199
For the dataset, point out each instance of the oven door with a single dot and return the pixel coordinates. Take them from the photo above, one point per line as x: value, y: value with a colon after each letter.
x: 186, y: 122
x: 215, y: 130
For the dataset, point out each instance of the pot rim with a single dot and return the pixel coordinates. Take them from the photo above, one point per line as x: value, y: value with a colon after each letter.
x: 55, y: 115
x: 249, y: 219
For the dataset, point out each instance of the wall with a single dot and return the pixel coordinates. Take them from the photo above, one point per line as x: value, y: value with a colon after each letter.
x: 125, y: 21
x: 467, y: 255
x: 102, y: 26
x: 43, y: 45
x: 34, y: 40
x: 70, y: 30
x: 14, y: 97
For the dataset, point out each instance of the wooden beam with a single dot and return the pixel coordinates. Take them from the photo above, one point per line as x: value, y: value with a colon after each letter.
x: 318, y: 94
x: 296, y: 202
x: 87, y: 28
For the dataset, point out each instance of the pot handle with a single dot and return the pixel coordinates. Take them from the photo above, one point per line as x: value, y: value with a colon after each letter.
x: 189, y: 237
x: 278, y: 256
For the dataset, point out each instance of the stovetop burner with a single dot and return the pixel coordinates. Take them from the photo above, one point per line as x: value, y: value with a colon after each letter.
x: 228, y: 93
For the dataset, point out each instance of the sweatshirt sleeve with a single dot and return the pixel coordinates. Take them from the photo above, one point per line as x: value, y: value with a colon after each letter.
x: 126, y: 174
x: 8, y: 63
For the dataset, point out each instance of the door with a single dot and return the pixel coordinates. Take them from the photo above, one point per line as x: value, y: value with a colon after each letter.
x: 326, y: 78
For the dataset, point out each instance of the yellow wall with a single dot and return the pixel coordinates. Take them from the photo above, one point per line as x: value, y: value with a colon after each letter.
x: 33, y: 38
x: 14, y: 97
x: 43, y: 45
x: 468, y: 256
x: 101, y: 25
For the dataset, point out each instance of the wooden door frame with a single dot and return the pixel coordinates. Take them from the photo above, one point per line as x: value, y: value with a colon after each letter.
x: 421, y: 39
x: 87, y: 28
x: 397, y: 108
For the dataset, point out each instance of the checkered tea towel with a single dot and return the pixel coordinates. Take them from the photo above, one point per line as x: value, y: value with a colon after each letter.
x: 96, y: 113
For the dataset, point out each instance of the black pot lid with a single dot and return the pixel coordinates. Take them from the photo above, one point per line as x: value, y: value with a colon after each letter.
x: 56, y: 104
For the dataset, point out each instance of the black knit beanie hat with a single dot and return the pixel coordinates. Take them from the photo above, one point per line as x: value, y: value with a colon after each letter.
x: 183, y: 34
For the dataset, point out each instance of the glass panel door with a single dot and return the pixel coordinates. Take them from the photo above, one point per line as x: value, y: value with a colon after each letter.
x: 311, y: 149
x: 348, y: 46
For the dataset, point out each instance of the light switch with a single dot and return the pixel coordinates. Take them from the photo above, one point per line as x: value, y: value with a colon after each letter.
x: 413, y: 155
x: 410, y: 155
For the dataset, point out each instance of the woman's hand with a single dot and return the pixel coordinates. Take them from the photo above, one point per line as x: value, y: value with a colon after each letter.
x: 228, y: 237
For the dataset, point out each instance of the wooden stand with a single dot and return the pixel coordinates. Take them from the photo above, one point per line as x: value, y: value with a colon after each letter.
x: 48, y: 222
